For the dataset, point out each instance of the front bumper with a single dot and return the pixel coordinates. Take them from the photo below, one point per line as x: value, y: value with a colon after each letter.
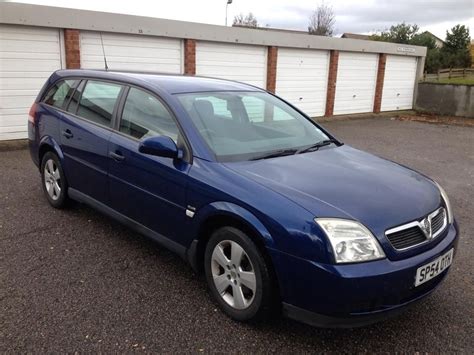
x: 355, y: 294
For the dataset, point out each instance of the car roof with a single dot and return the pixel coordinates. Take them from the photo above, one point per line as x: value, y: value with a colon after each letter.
x: 170, y: 83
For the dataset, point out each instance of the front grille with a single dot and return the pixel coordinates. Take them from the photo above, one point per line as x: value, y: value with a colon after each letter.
x: 413, y: 233
x: 437, y: 222
x: 407, y: 237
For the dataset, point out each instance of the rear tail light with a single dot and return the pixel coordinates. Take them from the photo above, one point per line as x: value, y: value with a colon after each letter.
x: 32, y: 113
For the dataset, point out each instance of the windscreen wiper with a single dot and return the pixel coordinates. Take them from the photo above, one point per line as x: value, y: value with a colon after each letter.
x: 316, y: 146
x: 278, y: 153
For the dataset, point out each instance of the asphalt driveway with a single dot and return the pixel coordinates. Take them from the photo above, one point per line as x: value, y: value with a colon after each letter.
x: 75, y: 280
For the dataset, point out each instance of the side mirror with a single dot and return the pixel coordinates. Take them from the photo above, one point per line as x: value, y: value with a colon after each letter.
x: 161, y: 146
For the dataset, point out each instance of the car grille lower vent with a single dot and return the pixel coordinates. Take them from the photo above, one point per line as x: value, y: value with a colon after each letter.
x: 418, y: 232
x: 407, y: 237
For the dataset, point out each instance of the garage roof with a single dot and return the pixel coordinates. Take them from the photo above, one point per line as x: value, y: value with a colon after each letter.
x: 49, y: 16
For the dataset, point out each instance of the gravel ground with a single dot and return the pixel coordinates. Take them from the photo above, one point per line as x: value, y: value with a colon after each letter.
x: 74, y: 280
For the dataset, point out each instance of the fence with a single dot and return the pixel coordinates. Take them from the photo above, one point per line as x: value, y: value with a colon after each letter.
x: 449, y: 74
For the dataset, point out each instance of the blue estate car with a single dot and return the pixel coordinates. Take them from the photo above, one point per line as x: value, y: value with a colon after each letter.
x: 277, y: 213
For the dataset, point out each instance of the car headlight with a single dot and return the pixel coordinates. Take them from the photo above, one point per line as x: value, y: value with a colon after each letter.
x: 445, y: 197
x: 350, y: 240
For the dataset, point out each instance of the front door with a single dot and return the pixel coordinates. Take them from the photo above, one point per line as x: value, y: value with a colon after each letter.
x: 149, y: 189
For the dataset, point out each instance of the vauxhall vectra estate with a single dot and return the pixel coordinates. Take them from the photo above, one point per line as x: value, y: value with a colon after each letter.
x: 279, y: 215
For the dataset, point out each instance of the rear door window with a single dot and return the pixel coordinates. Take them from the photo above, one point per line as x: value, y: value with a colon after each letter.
x: 75, y: 97
x: 98, y: 101
x: 59, y: 93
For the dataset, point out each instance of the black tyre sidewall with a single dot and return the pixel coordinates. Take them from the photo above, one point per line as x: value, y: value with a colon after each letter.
x: 260, y: 305
x: 63, y: 198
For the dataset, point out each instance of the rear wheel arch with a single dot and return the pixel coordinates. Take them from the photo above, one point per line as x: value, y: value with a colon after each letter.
x: 48, y: 144
x: 43, y: 150
x: 53, y: 180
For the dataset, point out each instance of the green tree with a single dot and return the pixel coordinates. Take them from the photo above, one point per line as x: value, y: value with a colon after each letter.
x: 423, y: 39
x: 409, y: 34
x: 401, y: 33
x: 458, y: 39
x: 456, y: 50
x: 433, y: 61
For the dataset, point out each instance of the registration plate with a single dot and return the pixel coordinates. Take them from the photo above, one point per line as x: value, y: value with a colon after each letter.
x: 434, y: 268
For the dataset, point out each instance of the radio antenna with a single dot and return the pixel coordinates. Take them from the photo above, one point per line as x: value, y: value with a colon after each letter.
x: 103, y: 52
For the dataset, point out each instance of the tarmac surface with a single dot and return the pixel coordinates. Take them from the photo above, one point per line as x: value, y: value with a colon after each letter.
x: 74, y: 280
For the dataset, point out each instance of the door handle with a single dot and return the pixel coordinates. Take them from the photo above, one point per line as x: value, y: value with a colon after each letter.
x: 116, y: 156
x: 68, y: 134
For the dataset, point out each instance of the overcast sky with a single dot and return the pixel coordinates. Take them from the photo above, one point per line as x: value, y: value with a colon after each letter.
x: 355, y: 16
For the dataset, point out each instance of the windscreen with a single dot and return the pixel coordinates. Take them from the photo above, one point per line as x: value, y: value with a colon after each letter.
x: 245, y: 125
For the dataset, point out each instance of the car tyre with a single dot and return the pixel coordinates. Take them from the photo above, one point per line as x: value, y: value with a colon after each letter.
x: 238, y: 276
x: 54, y: 181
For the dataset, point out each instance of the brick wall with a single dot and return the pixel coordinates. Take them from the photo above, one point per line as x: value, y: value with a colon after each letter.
x: 272, y: 68
x: 379, y: 83
x: 72, y: 48
x: 332, y: 78
x: 190, y: 56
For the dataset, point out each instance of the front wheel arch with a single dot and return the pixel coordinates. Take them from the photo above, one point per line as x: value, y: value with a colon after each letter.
x: 213, y: 223
x: 244, y: 221
x: 265, y: 302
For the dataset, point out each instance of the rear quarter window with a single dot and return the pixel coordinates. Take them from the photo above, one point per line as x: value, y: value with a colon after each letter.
x: 59, y: 93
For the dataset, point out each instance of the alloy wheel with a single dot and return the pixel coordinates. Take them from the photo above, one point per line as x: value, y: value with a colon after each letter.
x: 52, y: 179
x: 233, y: 274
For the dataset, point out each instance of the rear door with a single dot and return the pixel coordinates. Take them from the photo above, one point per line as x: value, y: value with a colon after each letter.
x: 85, y: 130
x: 146, y: 188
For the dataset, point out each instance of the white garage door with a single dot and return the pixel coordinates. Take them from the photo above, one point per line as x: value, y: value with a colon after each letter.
x: 131, y: 52
x: 355, y: 85
x: 28, y: 56
x: 302, y: 78
x: 399, y: 83
x: 232, y: 61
